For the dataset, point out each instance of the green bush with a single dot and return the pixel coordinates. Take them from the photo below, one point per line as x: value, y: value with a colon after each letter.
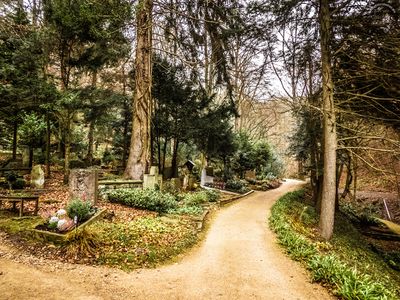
x: 11, y: 176
x: 149, y: 199
x: 212, y: 195
x: 77, y: 164
x: 198, y: 198
x: 19, y: 184
x: 239, y: 186
x: 186, y: 210
x: 365, y: 214
x: 195, y: 199
x: 81, y: 209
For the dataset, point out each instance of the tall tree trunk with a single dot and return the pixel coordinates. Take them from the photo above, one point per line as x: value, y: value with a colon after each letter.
x: 174, y: 162
x: 67, y: 148
x: 139, y: 154
x: 14, y: 145
x: 89, y: 155
x: 355, y: 167
x: 164, y: 155
x: 35, y: 12
x: 30, y: 157
x: 339, y: 172
x: 327, y: 215
x: 126, y: 119
x: 125, y: 141
x: 47, y: 145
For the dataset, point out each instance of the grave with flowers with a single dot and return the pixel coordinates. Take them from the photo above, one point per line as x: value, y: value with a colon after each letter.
x: 77, y: 215
x: 80, y: 211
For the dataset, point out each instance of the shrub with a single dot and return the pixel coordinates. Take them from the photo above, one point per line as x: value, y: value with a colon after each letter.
x: 236, y: 186
x: 146, y: 199
x: 186, y: 210
x: 170, y: 188
x: 11, y: 176
x: 212, y: 195
x: 81, y: 209
x: 19, y: 184
x: 195, y: 199
x: 77, y: 164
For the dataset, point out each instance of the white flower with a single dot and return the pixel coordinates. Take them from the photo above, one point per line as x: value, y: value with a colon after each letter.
x: 61, y: 212
x: 53, y: 220
x: 61, y: 223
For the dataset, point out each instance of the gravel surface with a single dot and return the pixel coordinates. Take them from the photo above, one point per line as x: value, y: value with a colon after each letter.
x: 238, y: 259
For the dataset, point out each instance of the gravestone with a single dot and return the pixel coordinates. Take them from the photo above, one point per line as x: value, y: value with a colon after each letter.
x: 154, y: 170
x: 205, y: 178
x: 185, y: 184
x: 83, y: 184
x: 149, y: 181
x: 37, y: 177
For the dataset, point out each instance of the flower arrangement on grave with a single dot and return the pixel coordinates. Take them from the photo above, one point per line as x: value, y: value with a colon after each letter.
x: 76, y: 212
x: 60, y: 221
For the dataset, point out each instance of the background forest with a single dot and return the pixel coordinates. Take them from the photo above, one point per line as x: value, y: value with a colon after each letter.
x: 130, y: 84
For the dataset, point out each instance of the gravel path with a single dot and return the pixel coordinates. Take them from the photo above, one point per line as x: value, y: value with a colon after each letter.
x: 238, y: 259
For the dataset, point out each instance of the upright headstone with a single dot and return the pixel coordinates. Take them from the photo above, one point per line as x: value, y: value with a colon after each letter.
x: 205, y: 178
x: 37, y: 177
x: 154, y: 170
x: 185, y: 184
x: 149, y: 181
x: 83, y: 184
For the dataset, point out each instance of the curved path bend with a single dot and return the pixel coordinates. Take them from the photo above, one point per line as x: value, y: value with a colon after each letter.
x: 238, y: 259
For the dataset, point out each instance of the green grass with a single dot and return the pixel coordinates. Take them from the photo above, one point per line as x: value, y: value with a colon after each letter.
x: 345, y: 265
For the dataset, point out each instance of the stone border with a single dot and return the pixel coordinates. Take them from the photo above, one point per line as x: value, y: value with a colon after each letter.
x: 53, y: 236
x: 223, y: 202
x: 201, y: 219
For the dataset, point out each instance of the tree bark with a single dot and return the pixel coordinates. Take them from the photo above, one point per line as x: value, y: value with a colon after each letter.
x: 30, y: 164
x: 327, y: 215
x: 47, y: 145
x: 139, y: 154
x: 67, y: 148
x: 14, y: 145
x: 174, y: 161
x: 89, y: 155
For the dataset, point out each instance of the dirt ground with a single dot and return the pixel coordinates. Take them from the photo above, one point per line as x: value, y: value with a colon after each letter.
x: 238, y: 259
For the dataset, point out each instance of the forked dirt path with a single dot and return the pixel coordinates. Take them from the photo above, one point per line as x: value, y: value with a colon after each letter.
x: 238, y: 259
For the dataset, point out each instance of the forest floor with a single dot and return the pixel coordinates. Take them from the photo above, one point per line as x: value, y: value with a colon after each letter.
x: 237, y: 259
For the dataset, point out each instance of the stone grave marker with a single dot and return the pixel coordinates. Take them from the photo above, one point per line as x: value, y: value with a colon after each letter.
x: 83, y: 184
x: 149, y: 181
x: 205, y: 178
x: 37, y: 177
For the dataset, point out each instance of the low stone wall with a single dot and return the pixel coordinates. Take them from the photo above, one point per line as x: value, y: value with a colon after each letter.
x: 119, y: 184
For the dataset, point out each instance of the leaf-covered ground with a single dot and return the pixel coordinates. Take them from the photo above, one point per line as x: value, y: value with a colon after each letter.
x: 127, y: 237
